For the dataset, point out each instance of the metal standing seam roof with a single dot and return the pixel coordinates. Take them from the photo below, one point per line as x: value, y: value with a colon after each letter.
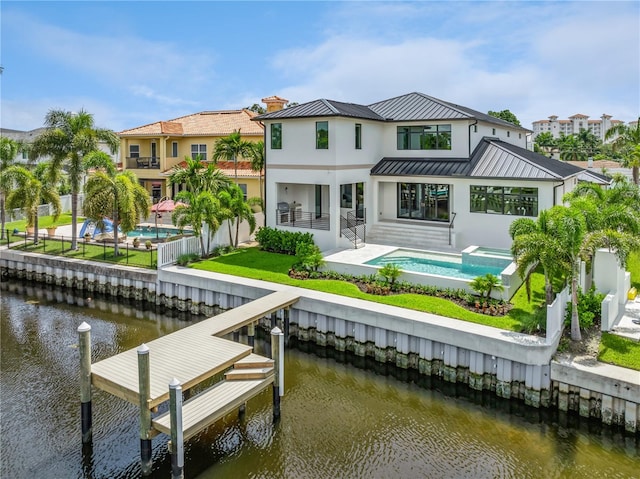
x: 410, y: 107
x: 491, y: 159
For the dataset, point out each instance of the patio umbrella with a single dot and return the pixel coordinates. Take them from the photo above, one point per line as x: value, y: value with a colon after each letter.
x: 165, y: 206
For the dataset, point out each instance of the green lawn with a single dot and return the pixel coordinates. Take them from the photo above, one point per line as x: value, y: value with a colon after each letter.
x: 633, y: 266
x: 256, y: 264
x: 620, y: 351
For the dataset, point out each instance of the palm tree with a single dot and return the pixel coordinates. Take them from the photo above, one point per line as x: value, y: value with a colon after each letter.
x: 29, y: 192
x: 257, y: 164
x: 197, y: 210
x: 234, y: 208
x: 545, y: 142
x: 538, y: 243
x: 198, y: 176
x: 9, y: 149
x: 113, y: 194
x: 230, y: 148
x: 626, y: 138
x: 571, y: 148
x: 68, y: 138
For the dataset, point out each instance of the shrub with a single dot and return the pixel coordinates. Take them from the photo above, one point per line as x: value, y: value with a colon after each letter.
x: 309, y: 256
x: 280, y: 241
x: 589, y: 308
x: 390, y: 272
x: 185, y: 259
x: 486, y: 284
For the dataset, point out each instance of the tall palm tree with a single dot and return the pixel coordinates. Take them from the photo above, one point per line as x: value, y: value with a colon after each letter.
x: 230, y: 148
x: 198, y: 209
x: 545, y: 142
x: 117, y: 195
x: 68, y: 138
x: 571, y: 148
x: 257, y: 164
x: 538, y: 243
x: 29, y: 192
x: 626, y: 138
x: 9, y: 149
x: 198, y: 176
x: 234, y: 208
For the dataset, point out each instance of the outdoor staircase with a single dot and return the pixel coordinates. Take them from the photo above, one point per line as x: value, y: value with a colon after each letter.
x: 409, y: 235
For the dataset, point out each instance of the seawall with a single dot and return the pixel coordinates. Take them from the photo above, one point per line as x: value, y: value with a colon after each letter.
x: 511, y: 365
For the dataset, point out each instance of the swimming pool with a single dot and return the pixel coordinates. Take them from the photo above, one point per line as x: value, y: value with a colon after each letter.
x: 149, y: 232
x: 441, y: 264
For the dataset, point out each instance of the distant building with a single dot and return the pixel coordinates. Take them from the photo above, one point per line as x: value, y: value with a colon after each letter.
x: 21, y: 136
x: 574, y: 125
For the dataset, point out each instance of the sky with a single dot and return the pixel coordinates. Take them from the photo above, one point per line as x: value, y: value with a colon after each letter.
x: 133, y: 63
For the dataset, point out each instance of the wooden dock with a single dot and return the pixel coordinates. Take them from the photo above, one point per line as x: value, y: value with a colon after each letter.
x: 154, y: 373
x: 192, y: 354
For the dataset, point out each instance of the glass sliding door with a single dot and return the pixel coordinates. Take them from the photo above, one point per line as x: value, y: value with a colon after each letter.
x: 423, y: 201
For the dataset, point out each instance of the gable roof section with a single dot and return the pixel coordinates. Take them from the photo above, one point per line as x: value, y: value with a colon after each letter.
x: 494, y: 158
x: 206, y: 123
x: 491, y: 159
x: 410, y: 107
x: 322, y: 107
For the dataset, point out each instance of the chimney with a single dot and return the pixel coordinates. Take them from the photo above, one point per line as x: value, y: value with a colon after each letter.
x: 274, y: 103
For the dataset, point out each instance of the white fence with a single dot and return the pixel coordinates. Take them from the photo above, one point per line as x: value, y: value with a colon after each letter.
x: 555, y: 315
x: 46, y: 210
x: 168, y: 253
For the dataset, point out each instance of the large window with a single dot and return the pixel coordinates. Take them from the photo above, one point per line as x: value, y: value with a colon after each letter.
x: 423, y: 201
x: 134, y: 151
x: 425, y: 137
x: 504, y: 200
x: 346, y: 196
x: 174, y: 149
x: 322, y: 135
x: 276, y: 136
x: 358, y: 136
x: 199, y: 151
x: 243, y: 187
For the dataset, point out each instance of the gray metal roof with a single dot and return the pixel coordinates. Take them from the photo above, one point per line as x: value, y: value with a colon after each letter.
x: 320, y: 108
x: 492, y: 158
x: 410, y: 107
x: 421, y: 167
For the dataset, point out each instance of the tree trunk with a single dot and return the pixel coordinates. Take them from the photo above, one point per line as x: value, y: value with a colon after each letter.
x: 116, y: 224
x: 230, y: 224
x: 35, y: 227
x: 575, y: 318
x: 548, y: 290
x: 235, y: 243
x: 74, y: 220
x: 2, y: 217
x: 634, y: 172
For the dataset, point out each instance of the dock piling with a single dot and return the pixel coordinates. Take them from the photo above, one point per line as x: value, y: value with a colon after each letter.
x: 251, y: 333
x: 277, y: 354
x: 176, y: 446
x: 144, y: 385
x: 84, y: 343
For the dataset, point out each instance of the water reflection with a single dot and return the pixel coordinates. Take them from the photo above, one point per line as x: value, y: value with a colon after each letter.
x: 342, y: 416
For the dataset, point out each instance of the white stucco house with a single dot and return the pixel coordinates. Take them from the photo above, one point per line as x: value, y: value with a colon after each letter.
x: 411, y: 171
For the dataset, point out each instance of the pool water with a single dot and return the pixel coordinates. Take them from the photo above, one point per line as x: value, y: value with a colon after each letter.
x: 150, y: 232
x: 438, y: 264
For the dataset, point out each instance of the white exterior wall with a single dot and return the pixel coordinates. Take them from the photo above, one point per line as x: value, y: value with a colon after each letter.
x: 516, y: 137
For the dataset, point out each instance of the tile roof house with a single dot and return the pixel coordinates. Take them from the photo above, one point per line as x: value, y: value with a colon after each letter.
x: 152, y: 150
x: 410, y: 171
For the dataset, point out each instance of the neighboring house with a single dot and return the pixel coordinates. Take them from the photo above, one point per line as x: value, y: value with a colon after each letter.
x: 412, y: 170
x: 574, y: 125
x: 25, y: 137
x: 151, y: 151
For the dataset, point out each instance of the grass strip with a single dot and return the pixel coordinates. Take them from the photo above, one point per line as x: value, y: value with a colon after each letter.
x: 620, y: 351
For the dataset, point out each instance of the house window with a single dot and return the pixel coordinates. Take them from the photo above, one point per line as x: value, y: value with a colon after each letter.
x: 508, y: 134
x: 475, y: 128
x: 423, y: 201
x: 243, y: 187
x: 322, y: 135
x: 276, y: 136
x: 358, y: 136
x: 504, y: 200
x: 346, y: 196
x: 174, y: 149
x: 426, y: 137
x: 134, y: 151
x: 493, y: 131
x: 199, y: 151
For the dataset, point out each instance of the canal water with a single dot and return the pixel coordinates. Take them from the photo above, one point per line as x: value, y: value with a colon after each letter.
x: 342, y: 417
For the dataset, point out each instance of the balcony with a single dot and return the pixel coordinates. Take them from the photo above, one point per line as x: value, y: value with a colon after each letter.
x: 143, y: 162
x: 292, y: 215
